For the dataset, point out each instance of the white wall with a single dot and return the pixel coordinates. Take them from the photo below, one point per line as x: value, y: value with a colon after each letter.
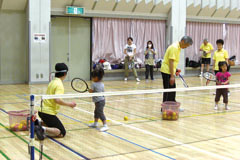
x: 39, y: 22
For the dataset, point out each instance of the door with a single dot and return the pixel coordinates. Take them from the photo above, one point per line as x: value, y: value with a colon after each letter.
x: 59, y: 42
x: 71, y: 45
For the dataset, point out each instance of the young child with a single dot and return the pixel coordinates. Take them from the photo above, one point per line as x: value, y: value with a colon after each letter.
x: 222, y: 78
x: 50, y: 108
x: 98, y: 86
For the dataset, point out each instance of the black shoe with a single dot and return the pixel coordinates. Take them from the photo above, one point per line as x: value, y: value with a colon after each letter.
x: 39, y: 132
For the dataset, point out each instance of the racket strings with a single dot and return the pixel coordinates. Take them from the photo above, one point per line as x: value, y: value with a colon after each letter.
x: 79, y: 85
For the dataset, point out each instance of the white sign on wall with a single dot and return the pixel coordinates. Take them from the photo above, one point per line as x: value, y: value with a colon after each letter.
x: 39, y: 37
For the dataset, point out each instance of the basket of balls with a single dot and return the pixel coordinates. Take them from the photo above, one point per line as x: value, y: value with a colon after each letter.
x: 170, y: 110
x: 18, y: 120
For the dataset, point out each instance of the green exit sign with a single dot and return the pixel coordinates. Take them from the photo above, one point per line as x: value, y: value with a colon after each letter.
x: 74, y: 10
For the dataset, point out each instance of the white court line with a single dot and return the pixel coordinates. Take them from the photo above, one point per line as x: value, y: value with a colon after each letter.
x: 164, y: 138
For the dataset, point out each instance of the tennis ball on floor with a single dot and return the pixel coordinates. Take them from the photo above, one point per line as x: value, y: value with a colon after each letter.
x: 125, y: 118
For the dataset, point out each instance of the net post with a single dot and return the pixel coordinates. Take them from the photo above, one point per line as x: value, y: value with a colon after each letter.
x: 31, y: 142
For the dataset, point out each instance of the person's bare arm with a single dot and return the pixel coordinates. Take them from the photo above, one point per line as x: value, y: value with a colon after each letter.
x: 213, y: 65
x: 172, y: 78
x: 134, y: 52
x: 226, y: 60
x: 125, y: 52
x: 227, y: 82
x: 146, y: 52
x: 153, y: 51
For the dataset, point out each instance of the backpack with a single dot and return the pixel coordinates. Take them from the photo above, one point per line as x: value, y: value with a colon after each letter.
x: 194, y: 64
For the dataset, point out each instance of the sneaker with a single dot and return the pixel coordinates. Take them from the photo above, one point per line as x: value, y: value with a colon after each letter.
x: 104, y: 128
x: 181, y: 109
x: 227, y: 108
x: 229, y: 94
x: 125, y: 79
x: 92, y: 125
x: 39, y: 132
x: 137, y: 79
x: 200, y: 75
x: 216, y: 107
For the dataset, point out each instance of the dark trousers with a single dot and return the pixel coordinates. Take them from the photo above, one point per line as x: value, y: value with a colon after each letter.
x: 168, y: 96
x: 52, y: 121
x: 224, y: 93
x: 98, y: 113
x: 149, y: 68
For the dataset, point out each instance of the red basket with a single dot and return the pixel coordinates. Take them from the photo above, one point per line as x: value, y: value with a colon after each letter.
x: 18, y: 120
x: 170, y: 110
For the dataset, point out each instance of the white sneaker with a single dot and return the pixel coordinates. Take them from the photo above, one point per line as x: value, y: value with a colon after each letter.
x: 227, y: 108
x: 229, y: 94
x: 125, y: 79
x: 216, y: 107
x: 104, y: 128
x: 137, y: 79
x: 200, y: 75
x: 92, y: 125
x: 181, y: 109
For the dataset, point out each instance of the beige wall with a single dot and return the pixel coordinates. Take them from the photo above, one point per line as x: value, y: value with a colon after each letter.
x: 13, y: 47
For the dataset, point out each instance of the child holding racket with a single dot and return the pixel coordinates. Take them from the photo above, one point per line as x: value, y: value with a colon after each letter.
x: 222, y: 78
x: 98, y: 86
x: 50, y: 107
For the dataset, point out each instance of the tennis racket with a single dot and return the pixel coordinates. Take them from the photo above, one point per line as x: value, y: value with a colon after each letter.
x: 209, y: 76
x: 203, y: 53
x: 79, y: 85
x: 183, y: 81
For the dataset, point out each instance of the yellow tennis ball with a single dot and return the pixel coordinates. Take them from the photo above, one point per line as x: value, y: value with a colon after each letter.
x: 12, y: 126
x: 164, y: 116
x: 20, y: 126
x: 125, y: 118
x: 23, y: 122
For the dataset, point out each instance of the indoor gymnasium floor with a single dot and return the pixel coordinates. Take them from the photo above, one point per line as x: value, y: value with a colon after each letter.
x: 201, y: 133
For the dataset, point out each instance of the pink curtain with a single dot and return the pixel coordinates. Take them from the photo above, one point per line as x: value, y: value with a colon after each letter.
x: 232, y: 40
x: 199, y: 31
x: 110, y: 36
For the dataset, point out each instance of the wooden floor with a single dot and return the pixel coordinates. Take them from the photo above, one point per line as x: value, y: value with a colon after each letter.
x: 201, y: 133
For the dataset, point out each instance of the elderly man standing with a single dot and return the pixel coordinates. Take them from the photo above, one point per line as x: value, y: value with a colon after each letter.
x: 169, y: 66
x: 206, y: 49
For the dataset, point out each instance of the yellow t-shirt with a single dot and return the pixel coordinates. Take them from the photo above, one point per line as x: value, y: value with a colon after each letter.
x: 173, y: 52
x: 219, y: 56
x: 49, y: 106
x: 207, y: 48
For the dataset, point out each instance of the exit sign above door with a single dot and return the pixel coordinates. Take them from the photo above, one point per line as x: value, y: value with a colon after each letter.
x: 74, y: 10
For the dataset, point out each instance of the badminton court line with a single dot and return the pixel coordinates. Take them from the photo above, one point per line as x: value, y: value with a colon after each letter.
x: 59, y: 143
x: 121, y: 138
x: 164, y: 138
